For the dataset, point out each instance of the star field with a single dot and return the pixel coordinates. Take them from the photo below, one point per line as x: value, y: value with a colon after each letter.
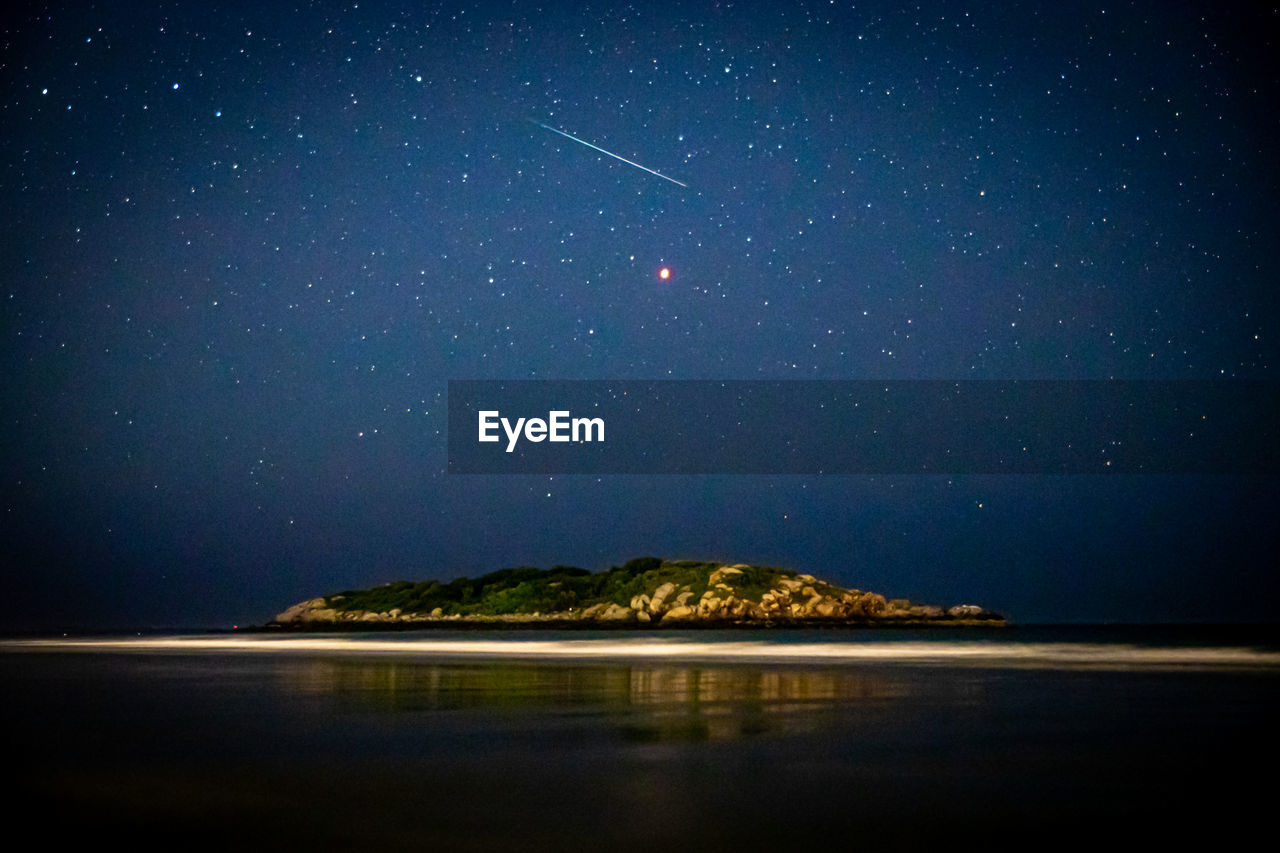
x: 247, y: 245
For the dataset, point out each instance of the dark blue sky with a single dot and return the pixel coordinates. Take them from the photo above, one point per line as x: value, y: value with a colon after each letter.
x: 246, y: 246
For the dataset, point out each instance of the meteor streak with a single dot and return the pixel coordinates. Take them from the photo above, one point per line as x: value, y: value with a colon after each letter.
x: 610, y: 153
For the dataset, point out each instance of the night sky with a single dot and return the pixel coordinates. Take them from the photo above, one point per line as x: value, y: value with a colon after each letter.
x: 245, y: 247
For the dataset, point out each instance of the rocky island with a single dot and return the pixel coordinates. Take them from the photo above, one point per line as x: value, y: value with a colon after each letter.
x: 647, y: 591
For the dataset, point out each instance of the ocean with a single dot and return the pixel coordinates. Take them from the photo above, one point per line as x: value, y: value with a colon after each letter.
x: 725, y: 740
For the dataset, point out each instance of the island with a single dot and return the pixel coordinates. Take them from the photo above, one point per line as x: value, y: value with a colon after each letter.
x: 644, y: 592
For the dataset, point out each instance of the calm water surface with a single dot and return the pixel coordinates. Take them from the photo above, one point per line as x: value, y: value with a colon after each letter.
x: 724, y: 741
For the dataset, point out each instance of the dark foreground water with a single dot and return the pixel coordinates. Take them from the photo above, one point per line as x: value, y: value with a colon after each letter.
x: 683, y: 741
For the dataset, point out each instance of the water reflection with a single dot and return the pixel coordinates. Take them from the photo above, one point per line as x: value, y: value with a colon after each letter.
x: 640, y: 701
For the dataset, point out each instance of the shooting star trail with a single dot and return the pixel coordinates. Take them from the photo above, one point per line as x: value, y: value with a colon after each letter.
x: 610, y: 153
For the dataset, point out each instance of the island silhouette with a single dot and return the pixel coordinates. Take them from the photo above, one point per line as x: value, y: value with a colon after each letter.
x: 643, y: 592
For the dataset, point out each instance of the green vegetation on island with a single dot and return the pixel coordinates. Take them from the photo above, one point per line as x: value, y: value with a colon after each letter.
x: 643, y: 591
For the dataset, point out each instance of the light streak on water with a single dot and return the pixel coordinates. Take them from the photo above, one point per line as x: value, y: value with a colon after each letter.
x: 991, y: 654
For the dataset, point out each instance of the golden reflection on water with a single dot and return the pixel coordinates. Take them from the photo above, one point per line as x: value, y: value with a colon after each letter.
x: 643, y: 701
